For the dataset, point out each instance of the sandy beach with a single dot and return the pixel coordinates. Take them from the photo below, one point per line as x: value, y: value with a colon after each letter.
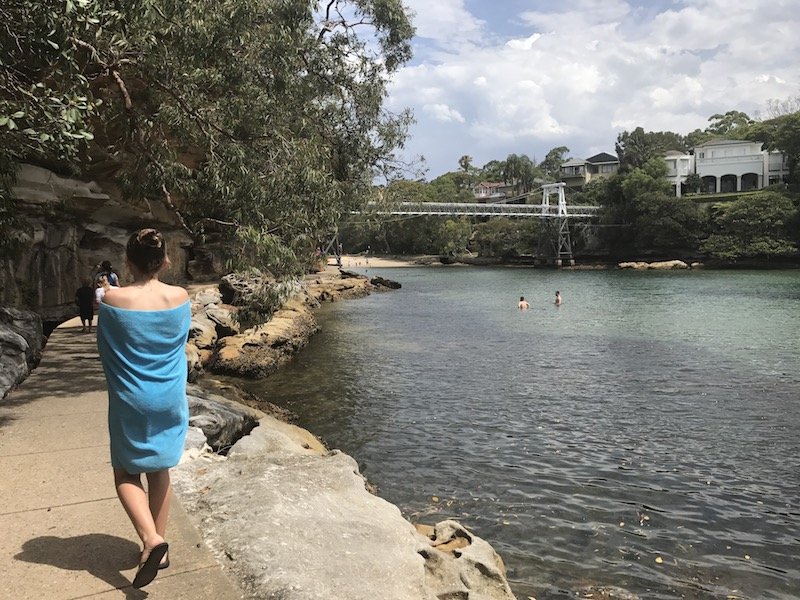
x: 354, y: 261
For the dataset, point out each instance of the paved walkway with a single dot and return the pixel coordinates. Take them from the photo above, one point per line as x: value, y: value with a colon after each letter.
x: 64, y: 533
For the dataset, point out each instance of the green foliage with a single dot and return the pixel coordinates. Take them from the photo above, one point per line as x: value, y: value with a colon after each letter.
x: 493, y: 170
x: 754, y: 226
x: 453, y: 236
x: 520, y: 172
x: 731, y: 124
x: 637, y: 147
x: 641, y: 217
x: 551, y: 165
x: 693, y: 182
x: 261, y: 117
x: 782, y: 133
x: 501, y: 237
x: 450, y: 187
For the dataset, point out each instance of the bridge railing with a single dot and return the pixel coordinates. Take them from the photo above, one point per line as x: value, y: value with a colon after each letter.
x: 541, y: 211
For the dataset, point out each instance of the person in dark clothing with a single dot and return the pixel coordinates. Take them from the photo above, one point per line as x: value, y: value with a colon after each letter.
x: 84, y: 298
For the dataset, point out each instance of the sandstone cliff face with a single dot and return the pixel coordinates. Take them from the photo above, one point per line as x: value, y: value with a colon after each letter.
x: 72, y: 226
x: 21, y: 343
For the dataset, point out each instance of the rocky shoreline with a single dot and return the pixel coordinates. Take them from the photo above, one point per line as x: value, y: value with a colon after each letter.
x: 288, y: 517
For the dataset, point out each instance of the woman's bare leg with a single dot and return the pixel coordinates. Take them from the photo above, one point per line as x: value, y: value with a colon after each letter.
x: 158, y: 486
x: 134, y: 499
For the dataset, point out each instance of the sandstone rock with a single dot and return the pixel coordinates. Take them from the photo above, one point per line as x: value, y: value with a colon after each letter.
x: 462, y: 565
x: 202, y: 331
x: 224, y: 320
x: 57, y: 252
x: 697, y: 265
x: 386, y: 283
x: 193, y: 362
x: 21, y: 343
x: 258, y: 351
x: 296, y: 523
x: 223, y: 422
x: 669, y: 265
x: 633, y: 265
x: 210, y: 295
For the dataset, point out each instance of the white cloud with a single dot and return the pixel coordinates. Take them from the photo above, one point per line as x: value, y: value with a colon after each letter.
x: 524, y: 44
x: 443, y: 113
x: 579, y: 73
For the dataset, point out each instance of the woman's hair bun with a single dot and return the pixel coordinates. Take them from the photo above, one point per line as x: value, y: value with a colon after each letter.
x: 150, y: 237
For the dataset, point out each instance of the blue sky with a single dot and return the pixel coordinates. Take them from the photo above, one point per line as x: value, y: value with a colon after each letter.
x: 495, y: 77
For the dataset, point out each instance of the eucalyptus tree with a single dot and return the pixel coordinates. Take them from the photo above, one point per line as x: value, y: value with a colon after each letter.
x: 261, y: 120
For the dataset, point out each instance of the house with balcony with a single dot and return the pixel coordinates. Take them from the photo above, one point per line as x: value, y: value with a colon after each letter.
x: 491, y: 191
x: 679, y: 166
x: 738, y: 166
x: 576, y: 172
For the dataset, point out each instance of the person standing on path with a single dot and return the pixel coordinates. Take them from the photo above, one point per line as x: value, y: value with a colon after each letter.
x: 84, y: 298
x: 108, y: 271
x: 141, y: 333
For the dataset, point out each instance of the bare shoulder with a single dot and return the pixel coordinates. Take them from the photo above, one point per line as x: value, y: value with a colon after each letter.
x: 176, y: 294
x: 116, y: 296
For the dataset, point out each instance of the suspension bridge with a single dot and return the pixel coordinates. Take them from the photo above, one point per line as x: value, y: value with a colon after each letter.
x: 553, y: 209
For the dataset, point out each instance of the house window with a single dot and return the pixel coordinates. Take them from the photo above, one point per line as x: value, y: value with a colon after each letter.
x: 702, y: 155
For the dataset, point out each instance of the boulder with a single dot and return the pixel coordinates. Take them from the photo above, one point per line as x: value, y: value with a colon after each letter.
x: 258, y: 351
x: 669, y: 265
x: 633, y: 265
x: 459, y: 564
x: 222, y: 421
x: 202, y: 331
x: 21, y: 343
x: 193, y: 362
x: 697, y: 265
x: 224, y: 320
x: 292, y: 521
x: 203, y: 298
x: 382, y: 282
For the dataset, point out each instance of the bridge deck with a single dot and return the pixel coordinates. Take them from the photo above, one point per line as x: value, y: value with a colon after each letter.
x: 540, y: 211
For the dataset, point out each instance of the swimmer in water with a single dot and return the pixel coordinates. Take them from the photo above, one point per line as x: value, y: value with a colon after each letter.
x: 523, y: 304
x: 558, y: 298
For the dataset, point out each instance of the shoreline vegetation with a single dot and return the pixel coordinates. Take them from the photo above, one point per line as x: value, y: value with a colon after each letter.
x: 363, y: 261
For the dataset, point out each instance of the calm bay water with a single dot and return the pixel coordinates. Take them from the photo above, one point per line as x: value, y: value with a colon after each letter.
x: 643, y: 435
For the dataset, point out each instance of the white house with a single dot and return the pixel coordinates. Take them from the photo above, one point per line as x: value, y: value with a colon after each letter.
x: 727, y: 166
x: 738, y: 166
x: 679, y: 165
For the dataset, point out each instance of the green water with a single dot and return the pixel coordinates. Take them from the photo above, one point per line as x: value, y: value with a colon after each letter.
x: 652, y: 415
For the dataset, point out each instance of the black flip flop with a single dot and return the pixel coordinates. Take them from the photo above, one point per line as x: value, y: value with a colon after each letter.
x: 149, y: 568
x: 165, y: 564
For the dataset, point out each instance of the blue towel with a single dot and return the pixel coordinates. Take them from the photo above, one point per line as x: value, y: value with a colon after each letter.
x: 143, y: 357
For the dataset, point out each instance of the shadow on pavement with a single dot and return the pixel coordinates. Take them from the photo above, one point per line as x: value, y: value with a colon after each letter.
x: 101, y: 555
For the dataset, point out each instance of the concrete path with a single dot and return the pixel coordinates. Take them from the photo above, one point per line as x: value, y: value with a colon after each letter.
x: 64, y: 533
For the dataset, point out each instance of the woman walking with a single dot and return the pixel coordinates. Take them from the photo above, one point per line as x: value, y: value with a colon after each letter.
x: 142, y: 330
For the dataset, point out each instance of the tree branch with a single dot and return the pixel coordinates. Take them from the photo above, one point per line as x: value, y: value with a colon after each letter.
x: 123, y: 90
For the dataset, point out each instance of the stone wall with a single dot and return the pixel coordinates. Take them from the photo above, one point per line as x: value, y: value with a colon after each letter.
x: 72, y: 226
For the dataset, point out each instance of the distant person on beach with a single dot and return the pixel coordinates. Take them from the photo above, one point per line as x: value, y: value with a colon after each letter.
x: 523, y: 304
x: 141, y: 333
x: 103, y: 285
x: 107, y: 271
x: 558, y: 298
x: 84, y: 298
